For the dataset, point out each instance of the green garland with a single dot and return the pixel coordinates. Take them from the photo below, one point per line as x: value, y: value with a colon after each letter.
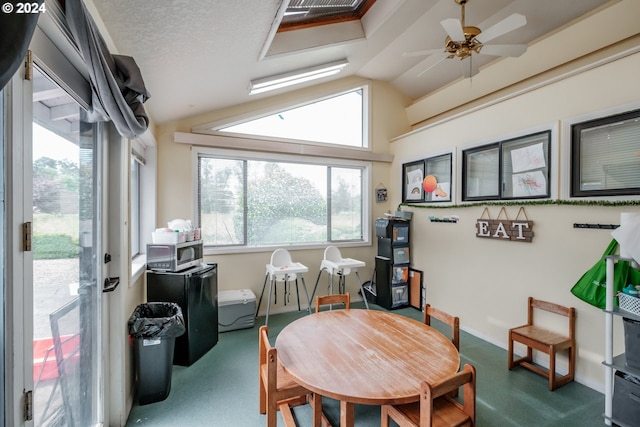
x: 529, y: 203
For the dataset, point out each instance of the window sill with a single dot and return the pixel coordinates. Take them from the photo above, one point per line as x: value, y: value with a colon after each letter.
x: 138, y: 267
x: 226, y: 250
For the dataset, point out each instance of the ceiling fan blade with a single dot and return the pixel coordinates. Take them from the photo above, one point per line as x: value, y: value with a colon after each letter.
x: 444, y: 56
x: 422, y: 52
x: 513, y: 50
x: 453, y: 27
x: 508, y: 24
x: 469, y: 67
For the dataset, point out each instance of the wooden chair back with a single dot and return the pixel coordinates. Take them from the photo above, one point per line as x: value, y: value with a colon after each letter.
x: 276, y: 385
x: 333, y: 299
x: 447, y: 319
x: 568, y: 312
x: 436, y: 407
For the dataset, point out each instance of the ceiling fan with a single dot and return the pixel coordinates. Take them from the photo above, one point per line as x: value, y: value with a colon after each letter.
x: 463, y: 42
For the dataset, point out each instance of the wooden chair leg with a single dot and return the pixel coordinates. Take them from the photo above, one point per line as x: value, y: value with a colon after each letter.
x: 263, y: 398
x: 552, y: 369
x: 287, y: 414
x: 572, y: 362
x: 510, y: 352
x: 272, y: 411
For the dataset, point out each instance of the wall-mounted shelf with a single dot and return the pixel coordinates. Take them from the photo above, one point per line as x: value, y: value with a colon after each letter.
x: 445, y: 219
x: 600, y: 226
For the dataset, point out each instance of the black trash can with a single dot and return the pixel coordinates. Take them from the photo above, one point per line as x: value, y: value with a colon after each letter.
x: 154, y: 327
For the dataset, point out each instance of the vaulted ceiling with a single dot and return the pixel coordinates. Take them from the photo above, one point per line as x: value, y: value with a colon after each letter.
x: 200, y: 55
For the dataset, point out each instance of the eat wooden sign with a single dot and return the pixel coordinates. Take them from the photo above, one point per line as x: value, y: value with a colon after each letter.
x: 505, y: 229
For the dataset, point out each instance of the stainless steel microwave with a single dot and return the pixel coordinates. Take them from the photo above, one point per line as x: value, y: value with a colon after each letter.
x: 174, y: 256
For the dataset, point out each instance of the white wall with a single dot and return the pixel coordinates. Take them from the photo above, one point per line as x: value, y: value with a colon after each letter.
x: 487, y: 282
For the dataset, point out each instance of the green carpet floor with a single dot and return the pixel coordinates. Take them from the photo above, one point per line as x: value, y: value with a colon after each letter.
x: 221, y: 389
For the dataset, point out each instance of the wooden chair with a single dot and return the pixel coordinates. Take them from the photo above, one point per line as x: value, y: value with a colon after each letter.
x: 277, y: 388
x: 541, y: 339
x: 333, y: 299
x: 447, y: 319
x: 436, y: 408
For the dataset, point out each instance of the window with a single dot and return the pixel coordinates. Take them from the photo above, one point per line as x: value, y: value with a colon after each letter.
x: 517, y: 168
x: 137, y: 180
x: 245, y: 200
x: 437, y: 184
x: 427, y: 180
x: 605, y: 156
x: 135, y: 207
x: 343, y: 121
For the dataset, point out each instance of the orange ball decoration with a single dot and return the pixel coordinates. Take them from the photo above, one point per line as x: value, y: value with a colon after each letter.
x: 429, y: 183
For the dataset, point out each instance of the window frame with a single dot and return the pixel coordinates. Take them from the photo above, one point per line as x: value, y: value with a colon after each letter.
x: 147, y: 199
x: 135, y: 188
x: 500, y: 144
x: 438, y: 157
x: 574, y: 131
x: 212, y: 128
x: 366, y: 166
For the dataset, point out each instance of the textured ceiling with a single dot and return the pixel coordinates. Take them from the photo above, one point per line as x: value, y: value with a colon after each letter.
x: 200, y: 55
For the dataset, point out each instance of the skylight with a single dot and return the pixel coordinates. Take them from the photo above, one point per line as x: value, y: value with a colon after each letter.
x: 308, y: 13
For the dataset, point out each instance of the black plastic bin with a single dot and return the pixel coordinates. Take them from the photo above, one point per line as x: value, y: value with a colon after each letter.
x: 154, y: 327
x: 626, y: 389
x: 632, y: 342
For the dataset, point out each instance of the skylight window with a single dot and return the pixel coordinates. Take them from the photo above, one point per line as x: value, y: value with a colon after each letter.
x: 307, y: 13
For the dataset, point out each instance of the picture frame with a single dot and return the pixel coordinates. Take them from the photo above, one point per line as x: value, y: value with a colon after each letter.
x: 438, y: 180
x: 381, y: 195
x: 412, y: 177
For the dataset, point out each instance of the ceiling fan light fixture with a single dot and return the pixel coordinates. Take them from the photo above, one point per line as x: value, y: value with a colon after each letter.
x: 462, y: 49
x: 463, y: 42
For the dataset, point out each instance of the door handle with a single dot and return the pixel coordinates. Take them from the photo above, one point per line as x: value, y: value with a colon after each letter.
x: 110, y: 284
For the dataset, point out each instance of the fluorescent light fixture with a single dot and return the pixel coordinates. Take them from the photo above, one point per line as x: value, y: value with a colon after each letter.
x: 294, y: 77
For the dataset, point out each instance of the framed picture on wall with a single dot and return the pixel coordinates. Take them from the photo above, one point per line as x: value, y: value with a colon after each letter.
x: 412, y: 177
x: 437, y: 185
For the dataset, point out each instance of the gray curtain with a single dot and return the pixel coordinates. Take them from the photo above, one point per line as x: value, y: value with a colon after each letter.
x: 116, y: 81
x: 16, y: 31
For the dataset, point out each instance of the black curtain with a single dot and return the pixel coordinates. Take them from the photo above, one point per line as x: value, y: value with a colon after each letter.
x: 16, y: 31
x: 116, y: 81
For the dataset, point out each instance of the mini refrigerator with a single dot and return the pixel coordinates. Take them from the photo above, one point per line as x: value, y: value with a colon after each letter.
x: 196, y: 292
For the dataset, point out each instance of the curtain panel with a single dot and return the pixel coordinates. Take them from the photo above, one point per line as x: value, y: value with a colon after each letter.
x: 16, y: 31
x: 116, y: 81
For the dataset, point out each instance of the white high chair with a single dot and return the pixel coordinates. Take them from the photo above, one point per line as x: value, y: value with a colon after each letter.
x: 334, y: 264
x: 283, y: 269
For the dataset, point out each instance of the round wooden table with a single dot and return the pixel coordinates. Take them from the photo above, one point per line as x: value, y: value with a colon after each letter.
x: 365, y: 356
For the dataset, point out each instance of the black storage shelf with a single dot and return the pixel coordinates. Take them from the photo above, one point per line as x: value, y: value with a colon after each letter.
x: 391, y: 294
x: 392, y: 264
